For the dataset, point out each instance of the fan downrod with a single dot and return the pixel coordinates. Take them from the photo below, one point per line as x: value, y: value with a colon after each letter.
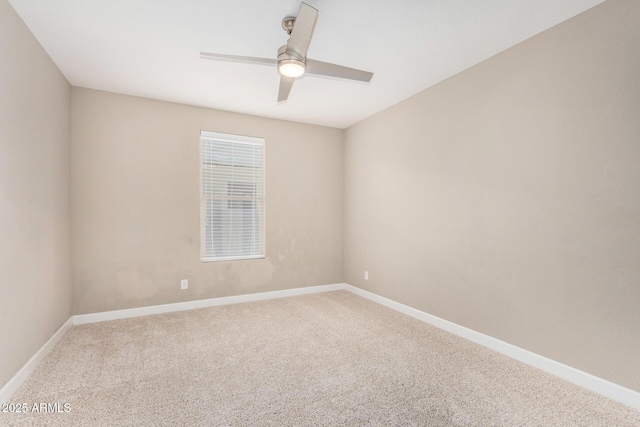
x: 287, y: 24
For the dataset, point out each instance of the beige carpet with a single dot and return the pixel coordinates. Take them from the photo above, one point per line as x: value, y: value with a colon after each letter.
x: 319, y: 360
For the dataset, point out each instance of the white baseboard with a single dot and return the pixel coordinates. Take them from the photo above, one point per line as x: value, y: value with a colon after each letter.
x: 16, y: 381
x: 598, y: 385
x: 81, y: 319
x: 590, y: 382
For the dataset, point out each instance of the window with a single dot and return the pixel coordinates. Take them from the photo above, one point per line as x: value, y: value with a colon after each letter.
x: 231, y: 196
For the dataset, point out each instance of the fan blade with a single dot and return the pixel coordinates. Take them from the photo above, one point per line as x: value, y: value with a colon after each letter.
x: 285, y: 87
x: 235, y: 58
x: 334, y: 70
x: 302, y: 30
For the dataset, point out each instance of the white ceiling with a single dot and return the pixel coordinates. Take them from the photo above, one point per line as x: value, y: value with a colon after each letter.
x: 151, y: 48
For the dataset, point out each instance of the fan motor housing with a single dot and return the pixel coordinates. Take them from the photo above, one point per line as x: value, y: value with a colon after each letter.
x: 283, y: 54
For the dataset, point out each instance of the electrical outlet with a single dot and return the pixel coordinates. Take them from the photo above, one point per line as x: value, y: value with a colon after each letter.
x: 366, y: 275
x: 184, y: 284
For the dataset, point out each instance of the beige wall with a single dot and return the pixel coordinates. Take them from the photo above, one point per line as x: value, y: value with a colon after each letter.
x: 507, y: 198
x: 136, y: 211
x: 35, y: 286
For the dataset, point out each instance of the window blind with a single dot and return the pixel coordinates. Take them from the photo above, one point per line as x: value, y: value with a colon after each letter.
x: 231, y: 196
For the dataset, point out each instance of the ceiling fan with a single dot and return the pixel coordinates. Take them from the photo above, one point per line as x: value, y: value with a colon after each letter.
x: 292, y: 61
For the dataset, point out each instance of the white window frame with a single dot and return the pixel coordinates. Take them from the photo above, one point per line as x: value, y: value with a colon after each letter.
x: 224, y: 137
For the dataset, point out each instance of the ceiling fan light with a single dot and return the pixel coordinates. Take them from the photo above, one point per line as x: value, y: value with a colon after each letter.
x: 291, y: 67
